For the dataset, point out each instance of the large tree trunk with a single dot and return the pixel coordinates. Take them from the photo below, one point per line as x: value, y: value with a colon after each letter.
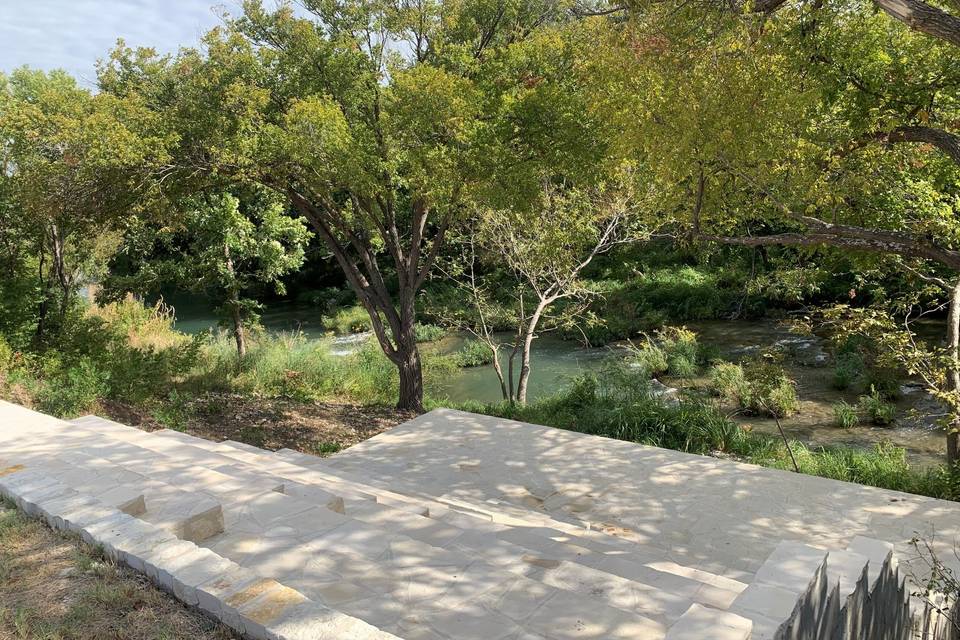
x: 953, y: 375
x: 408, y: 361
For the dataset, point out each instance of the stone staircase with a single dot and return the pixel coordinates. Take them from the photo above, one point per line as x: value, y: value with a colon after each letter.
x: 286, y: 545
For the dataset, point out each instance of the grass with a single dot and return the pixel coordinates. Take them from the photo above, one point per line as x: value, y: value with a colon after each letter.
x: 473, y: 353
x: 876, y: 408
x: 55, y: 587
x: 760, y: 386
x: 354, y: 319
x: 845, y: 415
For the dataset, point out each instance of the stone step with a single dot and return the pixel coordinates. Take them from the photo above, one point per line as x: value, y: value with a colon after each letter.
x: 253, y: 527
x: 186, y: 455
x: 260, y: 461
x: 551, y: 557
x: 115, y: 488
x: 629, y: 585
x: 406, y: 586
x: 187, y: 515
x: 594, y: 549
x: 257, y: 607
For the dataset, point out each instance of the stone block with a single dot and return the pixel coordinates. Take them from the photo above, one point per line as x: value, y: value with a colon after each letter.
x: 791, y: 566
x: 313, y: 621
x: 766, y: 600
x: 259, y: 613
x: 212, y: 593
x: 156, y: 558
x: 187, y: 578
x: 699, y: 623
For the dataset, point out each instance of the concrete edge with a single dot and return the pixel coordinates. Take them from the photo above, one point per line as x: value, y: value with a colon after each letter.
x: 256, y: 607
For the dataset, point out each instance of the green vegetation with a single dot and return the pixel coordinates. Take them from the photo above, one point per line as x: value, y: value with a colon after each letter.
x: 473, y: 353
x: 876, y: 408
x: 353, y: 319
x: 672, y: 351
x: 759, y: 386
x: 845, y: 415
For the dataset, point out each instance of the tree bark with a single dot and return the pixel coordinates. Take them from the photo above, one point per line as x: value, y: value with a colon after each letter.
x: 410, y: 368
x: 60, y: 270
x: 953, y: 375
x: 236, y: 317
x: 239, y: 335
x: 528, y: 337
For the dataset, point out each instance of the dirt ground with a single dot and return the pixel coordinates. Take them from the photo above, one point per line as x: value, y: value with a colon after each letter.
x: 319, y: 428
x: 55, y: 587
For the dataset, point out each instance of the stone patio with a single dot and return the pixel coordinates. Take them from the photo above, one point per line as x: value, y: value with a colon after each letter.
x: 466, y: 527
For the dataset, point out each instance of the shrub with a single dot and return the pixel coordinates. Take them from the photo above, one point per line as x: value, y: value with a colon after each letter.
x: 353, y: 319
x: 428, y: 332
x: 474, y: 353
x: 845, y: 415
x: 759, y: 386
x: 875, y: 407
x: 848, y: 370
x: 70, y: 391
x: 727, y: 380
x: 672, y: 350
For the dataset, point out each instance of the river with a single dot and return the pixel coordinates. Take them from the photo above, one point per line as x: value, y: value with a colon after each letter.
x: 556, y: 362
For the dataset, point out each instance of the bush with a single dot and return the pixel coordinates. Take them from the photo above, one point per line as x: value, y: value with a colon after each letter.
x: 673, y: 351
x: 759, y: 386
x: 848, y: 370
x: 845, y: 415
x: 728, y: 380
x: 875, y: 407
x: 353, y: 319
x: 70, y: 391
x: 474, y: 353
x: 428, y: 332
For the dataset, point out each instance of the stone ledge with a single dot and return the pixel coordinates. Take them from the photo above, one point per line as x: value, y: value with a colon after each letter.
x: 258, y: 608
x: 701, y: 622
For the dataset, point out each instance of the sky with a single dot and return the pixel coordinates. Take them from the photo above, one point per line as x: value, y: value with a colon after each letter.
x: 74, y: 34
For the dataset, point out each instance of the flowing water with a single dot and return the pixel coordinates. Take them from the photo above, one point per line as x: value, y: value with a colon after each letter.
x: 556, y: 362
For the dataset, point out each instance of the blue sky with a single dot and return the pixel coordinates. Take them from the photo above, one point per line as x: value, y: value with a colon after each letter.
x: 73, y: 34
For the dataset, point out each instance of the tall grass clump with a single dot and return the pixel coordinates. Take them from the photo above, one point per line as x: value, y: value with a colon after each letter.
x: 877, y: 408
x: 283, y: 364
x: 123, y: 351
x: 473, y: 353
x: 672, y: 351
x: 346, y: 320
x: 845, y: 415
x: 759, y: 386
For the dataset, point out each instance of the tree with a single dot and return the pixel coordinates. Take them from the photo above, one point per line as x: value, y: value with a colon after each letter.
x: 545, y: 249
x: 846, y: 138
x: 220, y: 245
x: 376, y: 120
x: 72, y: 166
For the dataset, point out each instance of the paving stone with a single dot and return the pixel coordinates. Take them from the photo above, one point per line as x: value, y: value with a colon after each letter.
x: 699, y: 623
x: 791, y: 566
x: 201, y: 570
x: 765, y: 600
x: 261, y: 612
x: 313, y: 621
